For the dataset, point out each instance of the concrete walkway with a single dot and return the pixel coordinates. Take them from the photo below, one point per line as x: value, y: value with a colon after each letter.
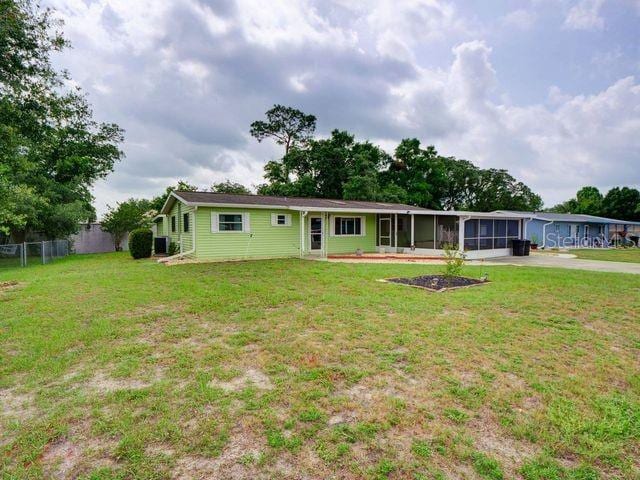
x: 547, y: 260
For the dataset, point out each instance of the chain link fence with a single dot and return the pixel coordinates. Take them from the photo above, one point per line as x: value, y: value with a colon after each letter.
x: 32, y: 253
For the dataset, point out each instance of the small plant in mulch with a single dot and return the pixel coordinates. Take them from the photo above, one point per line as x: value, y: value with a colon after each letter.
x: 450, y: 278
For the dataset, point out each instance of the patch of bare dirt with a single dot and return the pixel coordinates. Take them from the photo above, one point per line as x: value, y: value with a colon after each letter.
x: 69, y: 457
x: 103, y: 383
x: 8, y: 285
x: 494, y: 441
x: 250, y: 378
x: 16, y: 405
x: 237, y: 460
x: 59, y: 459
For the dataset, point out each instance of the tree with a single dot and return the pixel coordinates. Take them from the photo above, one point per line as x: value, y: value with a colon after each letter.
x: 622, y: 203
x: 158, y: 202
x: 51, y: 148
x: 419, y: 172
x: 230, y: 187
x: 589, y: 201
x: 290, y: 127
x: 126, y: 217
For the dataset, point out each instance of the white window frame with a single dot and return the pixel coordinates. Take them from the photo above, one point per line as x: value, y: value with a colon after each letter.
x: 274, y: 219
x: 215, y: 222
x: 363, y: 223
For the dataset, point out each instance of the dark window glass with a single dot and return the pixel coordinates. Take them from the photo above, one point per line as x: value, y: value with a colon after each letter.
x: 347, y: 226
x: 471, y: 228
x: 230, y: 222
x: 499, y: 243
x: 470, y: 244
x: 281, y: 220
x: 486, y: 243
x: 173, y: 223
x: 500, y: 227
x: 512, y: 228
x: 486, y: 228
x: 185, y: 222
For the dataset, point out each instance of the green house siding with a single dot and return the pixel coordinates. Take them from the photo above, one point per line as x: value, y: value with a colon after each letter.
x: 180, y: 236
x: 262, y: 241
x: 337, y: 244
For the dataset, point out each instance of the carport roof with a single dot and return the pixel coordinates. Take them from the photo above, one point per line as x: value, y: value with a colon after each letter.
x: 572, y: 217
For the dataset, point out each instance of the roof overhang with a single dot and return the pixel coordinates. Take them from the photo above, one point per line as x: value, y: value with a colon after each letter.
x: 173, y: 197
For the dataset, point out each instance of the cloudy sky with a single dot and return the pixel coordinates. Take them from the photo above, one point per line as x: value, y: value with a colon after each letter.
x: 549, y: 89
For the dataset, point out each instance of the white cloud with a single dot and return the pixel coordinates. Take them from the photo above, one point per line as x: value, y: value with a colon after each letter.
x: 186, y: 78
x: 521, y: 19
x: 585, y: 16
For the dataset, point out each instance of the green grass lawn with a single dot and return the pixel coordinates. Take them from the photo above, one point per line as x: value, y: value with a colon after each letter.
x: 114, y: 368
x: 609, y: 254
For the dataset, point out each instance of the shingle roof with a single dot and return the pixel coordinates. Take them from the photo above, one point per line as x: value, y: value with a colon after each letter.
x: 320, y: 204
x: 301, y: 202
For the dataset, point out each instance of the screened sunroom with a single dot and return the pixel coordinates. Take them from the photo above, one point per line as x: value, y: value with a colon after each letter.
x: 480, y: 235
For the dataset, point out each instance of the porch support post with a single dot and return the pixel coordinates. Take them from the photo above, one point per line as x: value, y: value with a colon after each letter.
x: 395, y: 232
x: 413, y: 224
x: 461, y: 233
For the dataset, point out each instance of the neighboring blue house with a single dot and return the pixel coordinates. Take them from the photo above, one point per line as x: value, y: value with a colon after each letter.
x: 567, y: 230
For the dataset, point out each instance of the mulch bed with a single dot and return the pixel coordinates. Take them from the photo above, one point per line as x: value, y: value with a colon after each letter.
x: 437, y: 283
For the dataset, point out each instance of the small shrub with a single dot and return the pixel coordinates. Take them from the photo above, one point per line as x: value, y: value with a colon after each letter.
x: 454, y: 260
x: 173, y: 248
x: 420, y: 448
x: 140, y: 243
x: 487, y: 467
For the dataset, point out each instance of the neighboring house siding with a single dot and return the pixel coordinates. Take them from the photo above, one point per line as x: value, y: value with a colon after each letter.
x: 558, y: 234
x: 262, y: 241
x: 349, y: 244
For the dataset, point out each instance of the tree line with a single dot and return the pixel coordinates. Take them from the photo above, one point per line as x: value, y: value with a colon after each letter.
x: 619, y: 202
x: 342, y: 167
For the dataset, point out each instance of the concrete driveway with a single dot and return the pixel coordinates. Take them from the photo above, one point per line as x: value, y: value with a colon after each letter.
x: 548, y: 260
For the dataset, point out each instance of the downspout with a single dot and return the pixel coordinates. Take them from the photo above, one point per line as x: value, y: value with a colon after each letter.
x: 544, y: 234
x: 524, y: 227
x: 303, y: 215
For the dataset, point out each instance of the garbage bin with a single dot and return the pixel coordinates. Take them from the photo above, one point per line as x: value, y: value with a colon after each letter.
x: 517, y: 247
x: 527, y: 247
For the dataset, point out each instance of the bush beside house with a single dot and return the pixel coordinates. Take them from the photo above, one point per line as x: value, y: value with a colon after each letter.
x: 141, y: 243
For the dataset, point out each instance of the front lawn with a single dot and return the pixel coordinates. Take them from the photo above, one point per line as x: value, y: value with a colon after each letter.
x: 609, y: 254
x: 112, y: 368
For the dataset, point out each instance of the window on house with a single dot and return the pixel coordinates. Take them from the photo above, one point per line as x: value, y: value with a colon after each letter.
x: 281, y: 219
x: 185, y: 222
x: 347, y: 226
x: 173, y: 224
x: 230, y: 222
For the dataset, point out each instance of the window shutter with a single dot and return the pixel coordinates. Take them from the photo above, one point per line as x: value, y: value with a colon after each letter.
x: 214, y: 222
x: 332, y: 226
x: 363, y: 224
x: 274, y: 219
x: 287, y: 219
x: 246, y: 227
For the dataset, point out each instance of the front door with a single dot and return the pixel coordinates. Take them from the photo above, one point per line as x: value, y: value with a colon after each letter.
x: 384, y: 229
x: 315, y: 234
